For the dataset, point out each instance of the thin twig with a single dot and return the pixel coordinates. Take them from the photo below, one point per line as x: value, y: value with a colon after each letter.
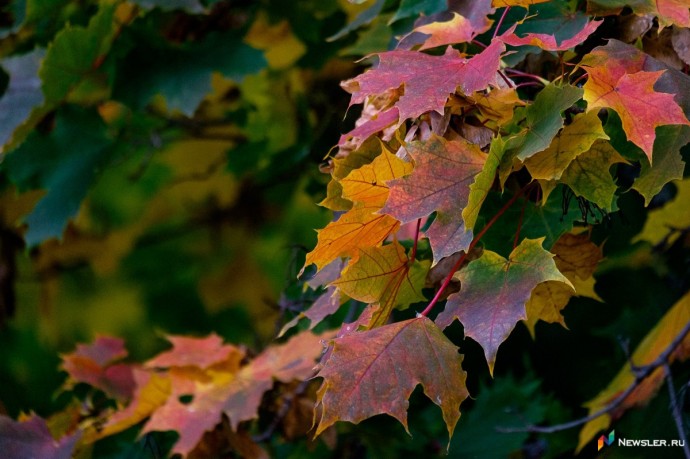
x: 282, y: 412
x: 474, y: 242
x: 675, y: 410
x: 641, y: 373
x: 500, y: 21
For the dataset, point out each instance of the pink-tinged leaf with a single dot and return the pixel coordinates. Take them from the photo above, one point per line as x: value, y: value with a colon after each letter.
x: 476, y: 11
x: 294, y: 360
x: 371, y: 127
x: 325, y: 305
x: 428, y: 80
x: 191, y: 419
x: 548, y: 42
x: 31, y: 439
x: 376, y: 371
x: 199, y: 398
x: 440, y: 181
x: 197, y: 352
x: 93, y: 364
x: 633, y: 97
x: 494, y: 293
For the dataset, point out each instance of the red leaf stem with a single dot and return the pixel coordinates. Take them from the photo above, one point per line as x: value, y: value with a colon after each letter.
x: 474, y: 242
x: 500, y: 21
x: 413, y: 254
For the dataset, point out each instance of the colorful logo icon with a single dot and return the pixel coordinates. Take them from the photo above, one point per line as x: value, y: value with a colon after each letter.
x: 608, y: 441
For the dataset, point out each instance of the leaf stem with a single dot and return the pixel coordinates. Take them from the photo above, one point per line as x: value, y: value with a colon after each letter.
x: 574, y: 83
x: 474, y: 242
x: 500, y: 21
x: 413, y: 253
x: 532, y: 76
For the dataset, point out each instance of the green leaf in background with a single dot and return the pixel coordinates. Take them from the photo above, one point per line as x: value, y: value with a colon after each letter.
x: 182, y: 74
x: 64, y: 163
x: 190, y: 6
x: 409, y: 8
x: 363, y: 18
x: 72, y: 57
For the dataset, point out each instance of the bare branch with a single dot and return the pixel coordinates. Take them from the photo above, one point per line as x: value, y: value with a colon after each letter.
x: 641, y: 373
x: 675, y: 410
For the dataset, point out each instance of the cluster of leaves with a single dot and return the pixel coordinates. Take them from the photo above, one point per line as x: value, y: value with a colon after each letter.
x: 492, y: 148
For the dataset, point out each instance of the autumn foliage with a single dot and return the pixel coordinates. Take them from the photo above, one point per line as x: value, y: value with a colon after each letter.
x: 504, y: 205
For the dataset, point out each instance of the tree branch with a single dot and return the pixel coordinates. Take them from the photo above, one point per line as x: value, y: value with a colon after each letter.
x: 641, y: 373
x: 675, y: 410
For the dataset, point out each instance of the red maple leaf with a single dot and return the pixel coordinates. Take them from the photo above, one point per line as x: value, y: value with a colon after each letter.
x: 633, y: 97
x: 428, y: 80
x: 94, y: 364
x: 440, y: 181
x: 375, y: 371
x: 548, y: 42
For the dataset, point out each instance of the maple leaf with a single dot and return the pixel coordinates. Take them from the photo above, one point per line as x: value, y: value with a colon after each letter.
x: 93, y: 364
x: 368, y: 184
x: 344, y: 165
x: 494, y: 293
x: 573, y: 140
x: 576, y: 257
x: 497, y: 105
x: 428, y: 80
x: 458, y: 30
x: 361, y: 226
x: 191, y: 419
x: 384, y: 275
x: 228, y: 388
x: 543, y: 120
x: 668, y: 162
x: 356, y: 229
x: 151, y: 392
x: 649, y: 349
x: 588, y: 175
x: 633, y: 97
x: 375, y: 372
x: 483, y: 181
x: 292, y: 360
x: 440, y: 182
x: 189, y: 351
x: 32, y: 439
x: 546, y: 41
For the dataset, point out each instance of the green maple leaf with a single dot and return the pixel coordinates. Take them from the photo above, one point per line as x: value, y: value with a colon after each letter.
x: 494, y: 293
